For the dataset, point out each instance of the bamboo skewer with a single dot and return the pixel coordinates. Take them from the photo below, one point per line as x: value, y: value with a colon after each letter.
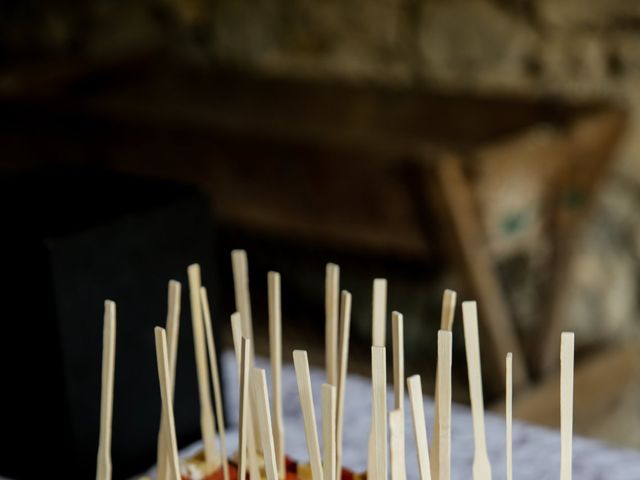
x: 173, y: 328
x: 301, y: 365
x: 371, y: 454
x: 332, y: 293
x: 255, y: 422
x: 481, y: 465
x: 240, y: 267
x: 207, y: 426
x: 397, y: 338
x: 215, y: 379
x: 261, y: 395
x: 379, y: 388
x: 245, y: 363
x: 173, y: 325
x: 275, y: 350
x: 251, y: 457
x: 566, y: 404
x: 379, y: 320
x: 329, y: 431
x: 378, y: 338
x: 509, y: 415
x: 446, y: 323
x: 345, y: 327
x: 414, y: 385
x: 444, y: 399
x: 396, y: 444
x: 236, y: 333
x: 103, y: 471
x: 167, y: 402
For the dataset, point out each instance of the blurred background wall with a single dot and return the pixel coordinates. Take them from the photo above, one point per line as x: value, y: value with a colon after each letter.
x: 305, y: 122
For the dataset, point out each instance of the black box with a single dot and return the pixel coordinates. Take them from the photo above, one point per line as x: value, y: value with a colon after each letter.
x: 70, y: 240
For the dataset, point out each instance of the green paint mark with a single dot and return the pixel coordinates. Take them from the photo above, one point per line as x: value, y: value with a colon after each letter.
x: 513, y: 223
x: 574, y: 199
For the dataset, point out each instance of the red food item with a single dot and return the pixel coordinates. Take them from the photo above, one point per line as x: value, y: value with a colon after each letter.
x: 219, y: 474
x: 291, y: 467
x: 347, y: 474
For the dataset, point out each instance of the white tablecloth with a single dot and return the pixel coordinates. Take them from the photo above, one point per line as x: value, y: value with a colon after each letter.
x: 536, y: 451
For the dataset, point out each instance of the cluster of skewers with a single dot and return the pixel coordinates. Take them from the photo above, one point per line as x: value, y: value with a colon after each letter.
x: 261, y: 452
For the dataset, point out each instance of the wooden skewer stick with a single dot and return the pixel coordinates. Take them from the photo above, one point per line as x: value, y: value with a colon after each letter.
x: 173, y: 328
x: 379, y: 320
x: 332, y: 293
x: 509, y: 415
x: 207, y: 426
x: 397, y: 338
x: 245, y: 364
x: 261, y: 394
x: 481, y: 465
x: 301, y: 365
x: 414, y: 385
x: 240, y: 267
x: 236, y: 329
x: 378, y: 338
x: 397, y: 334
x: 396, y: 434
x: 275, y: 349
x: 444, y: 399
x: 106, y: 397
x: 329, y: 431
x: 164, y: 374
x: 236, y: 333
x: 567, y: 340
x: 345, y: 327
x: 215, y: 379
x: 446, y: 324
x: 371, y: 454
x: 379, y: 387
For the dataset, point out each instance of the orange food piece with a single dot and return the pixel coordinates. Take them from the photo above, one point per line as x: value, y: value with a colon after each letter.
x: 295, y: 471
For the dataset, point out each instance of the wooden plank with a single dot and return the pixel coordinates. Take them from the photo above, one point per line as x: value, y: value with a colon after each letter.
x: 494, y: 313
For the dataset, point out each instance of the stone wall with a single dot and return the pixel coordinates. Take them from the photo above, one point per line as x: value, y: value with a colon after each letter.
x: 567, y: 47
